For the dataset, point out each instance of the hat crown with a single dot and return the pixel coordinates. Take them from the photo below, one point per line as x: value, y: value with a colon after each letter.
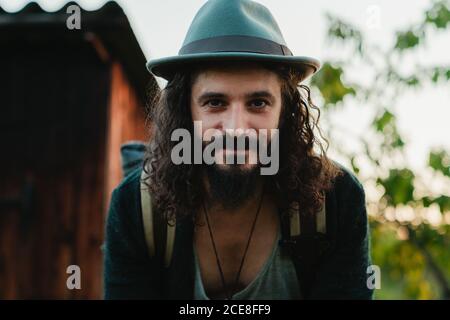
x: 218, y: 18
x: 232, y: 30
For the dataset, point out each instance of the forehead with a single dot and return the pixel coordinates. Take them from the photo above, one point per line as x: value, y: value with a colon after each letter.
x: 235, y: 78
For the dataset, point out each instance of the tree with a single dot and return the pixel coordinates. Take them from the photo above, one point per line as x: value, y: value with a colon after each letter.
x: 413, y: 254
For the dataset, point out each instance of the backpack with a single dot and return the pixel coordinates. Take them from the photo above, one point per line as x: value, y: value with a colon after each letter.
x: 159, y: 236
x: 306, y: 240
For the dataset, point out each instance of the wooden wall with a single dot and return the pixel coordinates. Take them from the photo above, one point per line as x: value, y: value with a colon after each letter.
x: 63, y: 115
x: 126, y: 121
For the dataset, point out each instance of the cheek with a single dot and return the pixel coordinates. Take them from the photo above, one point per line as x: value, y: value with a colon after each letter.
x: 277, y: 117
x: 268, y: 120
x: 207, y: 121
x: 204, y: 120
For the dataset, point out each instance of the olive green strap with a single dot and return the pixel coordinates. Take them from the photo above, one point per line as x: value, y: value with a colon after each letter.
x: 147, y: 215
x: 295, y: 223
x: 149, y: 223
x: 169, y: 244
x: 321, y: 219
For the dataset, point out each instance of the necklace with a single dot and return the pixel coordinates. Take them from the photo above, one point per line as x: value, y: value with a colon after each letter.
x: 229, y: 291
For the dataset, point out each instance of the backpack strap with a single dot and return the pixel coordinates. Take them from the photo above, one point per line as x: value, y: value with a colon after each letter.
x: 159, y: 235
x: 306, y: 241
x: 321, y: 219
x: 296, y: 224
x: 147, y: 215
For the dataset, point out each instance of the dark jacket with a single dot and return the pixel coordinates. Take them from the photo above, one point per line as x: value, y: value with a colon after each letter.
x: 129, y: 272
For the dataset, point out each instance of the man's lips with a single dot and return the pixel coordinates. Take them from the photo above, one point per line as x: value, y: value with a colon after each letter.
x: 233, y: 151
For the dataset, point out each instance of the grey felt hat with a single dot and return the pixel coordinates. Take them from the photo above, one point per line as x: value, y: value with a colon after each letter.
x: 224, y: 30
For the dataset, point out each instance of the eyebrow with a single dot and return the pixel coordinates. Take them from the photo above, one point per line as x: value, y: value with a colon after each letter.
x: 252, y: 95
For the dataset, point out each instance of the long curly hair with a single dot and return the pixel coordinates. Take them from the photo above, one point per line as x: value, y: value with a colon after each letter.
x: 305, y: 171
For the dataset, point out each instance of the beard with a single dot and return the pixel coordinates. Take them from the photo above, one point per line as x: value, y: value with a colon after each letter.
x: 233, y: 185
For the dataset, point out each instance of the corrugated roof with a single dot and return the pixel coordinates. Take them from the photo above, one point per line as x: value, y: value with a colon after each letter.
x: 108, y: 23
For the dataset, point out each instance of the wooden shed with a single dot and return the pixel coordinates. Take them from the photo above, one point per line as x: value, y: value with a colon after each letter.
x: 68, y: 100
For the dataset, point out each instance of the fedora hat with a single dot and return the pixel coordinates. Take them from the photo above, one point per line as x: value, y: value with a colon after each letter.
x: 233, y: 30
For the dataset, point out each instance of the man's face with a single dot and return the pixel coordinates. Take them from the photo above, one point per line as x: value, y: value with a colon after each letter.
x: 246, y: 97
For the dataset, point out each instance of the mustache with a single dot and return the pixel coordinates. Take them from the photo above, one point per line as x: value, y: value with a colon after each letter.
x: 237, y: 143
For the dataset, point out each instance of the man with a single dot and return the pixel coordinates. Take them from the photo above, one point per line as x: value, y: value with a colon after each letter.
x: 235, y: 237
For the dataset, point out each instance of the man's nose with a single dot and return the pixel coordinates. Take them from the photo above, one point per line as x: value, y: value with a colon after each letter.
x: 236, y: 118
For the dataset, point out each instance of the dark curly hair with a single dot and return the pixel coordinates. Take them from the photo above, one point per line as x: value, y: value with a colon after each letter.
x: 304, y: 174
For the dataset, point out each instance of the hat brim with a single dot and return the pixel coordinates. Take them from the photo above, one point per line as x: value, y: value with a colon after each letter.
x: 168, y: 66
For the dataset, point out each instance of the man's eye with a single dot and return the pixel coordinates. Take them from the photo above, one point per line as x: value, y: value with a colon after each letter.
x: 259, y: 104
x: 214, y: 103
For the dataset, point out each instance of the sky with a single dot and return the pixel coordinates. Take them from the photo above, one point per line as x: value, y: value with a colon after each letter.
x: 160, y: 27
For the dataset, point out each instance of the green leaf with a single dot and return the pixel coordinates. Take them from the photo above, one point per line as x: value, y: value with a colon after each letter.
x: 406, y: 40
x: 385, y: 124
x: 427, y: 201
x: 337, y: 28
x: 398, y: 186
x: 354, y: 165
x: 440, y: 161
x: 438, y: 15
x: 412, y: 81
x: 385, y: 119
x: 442, y: 201
x: 440, y: 74
x: 436, y: 75
x: 328, y: 81
x: 344, y: 31
x: 397, y: 141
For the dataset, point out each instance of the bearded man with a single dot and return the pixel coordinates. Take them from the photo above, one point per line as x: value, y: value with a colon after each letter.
x: 300, y: 232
